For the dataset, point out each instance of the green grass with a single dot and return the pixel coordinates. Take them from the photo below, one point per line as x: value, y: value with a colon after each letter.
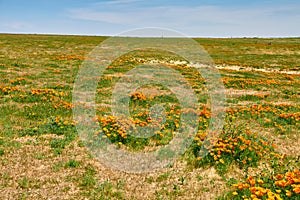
x: 41, y: 152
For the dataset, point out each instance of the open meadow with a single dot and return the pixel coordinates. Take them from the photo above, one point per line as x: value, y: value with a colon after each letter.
x: 255, y: 157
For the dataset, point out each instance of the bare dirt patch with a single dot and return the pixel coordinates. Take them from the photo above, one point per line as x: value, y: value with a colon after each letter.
x: 234, y: 92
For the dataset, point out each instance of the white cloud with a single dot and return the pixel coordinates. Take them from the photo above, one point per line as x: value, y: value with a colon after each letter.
x: 110, y: 17
x: 209, y: 20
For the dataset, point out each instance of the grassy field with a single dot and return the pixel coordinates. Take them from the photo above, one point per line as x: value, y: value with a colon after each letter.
x: 256, y: 157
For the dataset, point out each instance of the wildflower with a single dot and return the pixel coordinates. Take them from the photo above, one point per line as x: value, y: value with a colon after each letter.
x: 240, y: 186
x: 251, y: 180
x: 259, y: 193
x: 288, y: 193
x: 279, y: 176
x: 215, y: 157
x: 296, y: 188
x: 273, y: 196
x: 243, y: 147
x: 260, y: 181
x: 274, y: 146
x: 281, y: 183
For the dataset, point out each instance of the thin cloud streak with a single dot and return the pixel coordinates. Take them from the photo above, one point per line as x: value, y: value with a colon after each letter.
x: 16, y: 25
x: 120, y: 1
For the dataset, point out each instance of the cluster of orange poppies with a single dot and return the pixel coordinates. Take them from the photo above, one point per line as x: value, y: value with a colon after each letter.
x: 280, y: 186
x: 244, y: 148
x: 5, y: 90
x: 19, y: 81
x: 281, y: 114
x: 53, y: 96
x: 138, y: 96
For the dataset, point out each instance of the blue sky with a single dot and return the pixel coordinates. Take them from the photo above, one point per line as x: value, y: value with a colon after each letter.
x: 203, y: 18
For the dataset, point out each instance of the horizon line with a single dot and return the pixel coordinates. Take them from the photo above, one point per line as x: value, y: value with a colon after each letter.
x: 104, y: 35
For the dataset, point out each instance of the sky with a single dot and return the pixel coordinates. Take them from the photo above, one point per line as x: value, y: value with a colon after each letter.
x: 194, y: 18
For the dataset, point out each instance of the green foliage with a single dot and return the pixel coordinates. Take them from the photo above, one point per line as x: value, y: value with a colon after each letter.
x: 234, y: 145
x: 72, y: 163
